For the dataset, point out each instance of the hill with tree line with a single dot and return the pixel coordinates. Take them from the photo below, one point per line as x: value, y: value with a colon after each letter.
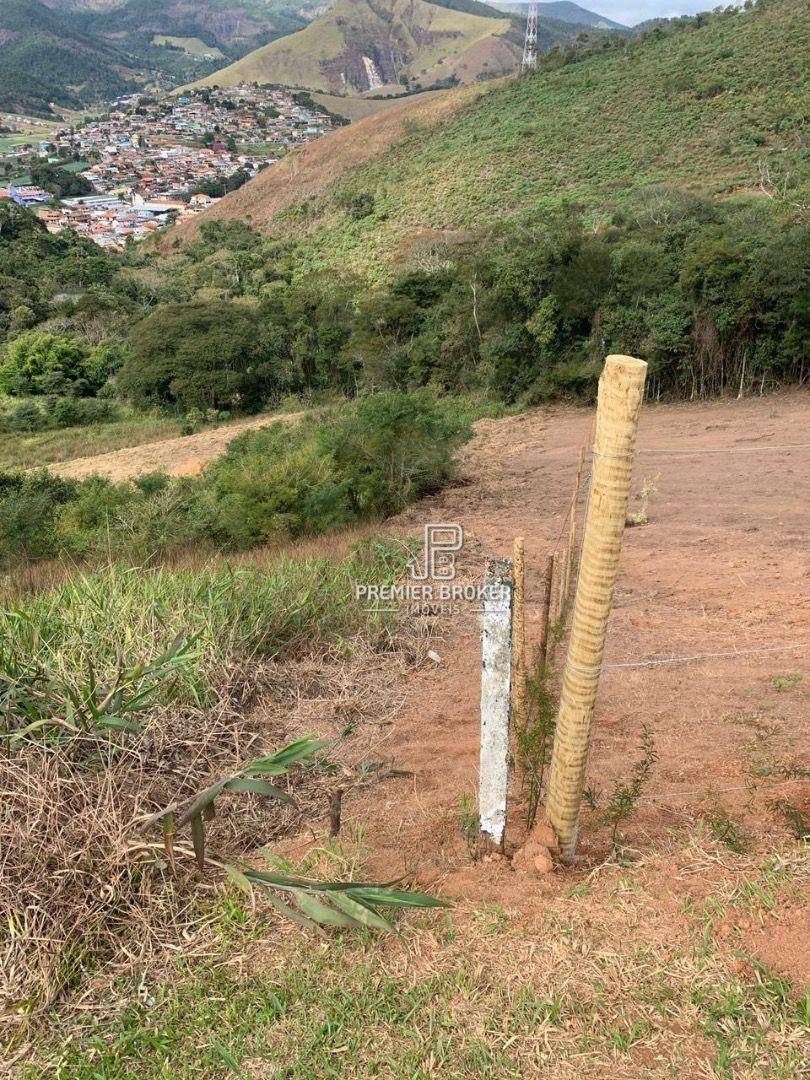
x: 75, y: 53
x: 711, y: 103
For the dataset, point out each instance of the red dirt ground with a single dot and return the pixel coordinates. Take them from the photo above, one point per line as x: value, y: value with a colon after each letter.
x: 722, y: 565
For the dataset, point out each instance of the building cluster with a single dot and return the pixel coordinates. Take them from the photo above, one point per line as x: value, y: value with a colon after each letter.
x: 151, y: 160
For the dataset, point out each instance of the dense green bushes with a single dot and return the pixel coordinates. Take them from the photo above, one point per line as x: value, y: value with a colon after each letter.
x: 710, y: 293
x: 364, y: 461
x: 43, y: 363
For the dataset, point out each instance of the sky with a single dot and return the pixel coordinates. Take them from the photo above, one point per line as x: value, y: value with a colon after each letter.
x: 631, y: 12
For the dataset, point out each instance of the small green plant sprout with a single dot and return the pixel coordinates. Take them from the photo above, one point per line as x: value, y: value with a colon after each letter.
x: 37, y: 699
x: 198, y: 809
x: 648, y: 489
x: 783, y: 684
x: 534, y: 739
x: 726, y: 831
x: 624, y: 798
x: 319, y: 903
x: 797, y: 820
x: 469, y: 822
x: 591, y: 796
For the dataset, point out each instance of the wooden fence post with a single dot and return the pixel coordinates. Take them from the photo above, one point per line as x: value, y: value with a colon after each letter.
x: 496, y: 677
x: 545, y: 615
x: 571, y: 547
x: 621, y: 390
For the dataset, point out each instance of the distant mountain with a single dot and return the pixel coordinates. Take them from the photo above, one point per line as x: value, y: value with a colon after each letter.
x: 71, y: 54
x: 387, y: 47
x: 564, y: 11
x: 47, y: 56
x: 76, y: 53
x: 235, y: 27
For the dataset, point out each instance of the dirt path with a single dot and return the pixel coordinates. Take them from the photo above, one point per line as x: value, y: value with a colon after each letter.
x: 721, y: 566
x: 182, y: 456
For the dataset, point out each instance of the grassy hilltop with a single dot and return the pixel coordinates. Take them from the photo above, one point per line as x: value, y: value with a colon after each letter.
x: 706, y: 106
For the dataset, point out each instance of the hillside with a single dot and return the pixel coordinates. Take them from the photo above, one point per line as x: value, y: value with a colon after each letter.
x: 564, y: 12
x: 46, y: 56
x: 699, y: 107
x: 359, y: 45
x: 76, y: 53
x: 234, y: 27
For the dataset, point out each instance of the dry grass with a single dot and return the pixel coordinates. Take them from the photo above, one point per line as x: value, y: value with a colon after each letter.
x: 28, y: 451
x: 177, y: 455
x: 86, y: 895
x: 76, y: 889
x: 612, y: 976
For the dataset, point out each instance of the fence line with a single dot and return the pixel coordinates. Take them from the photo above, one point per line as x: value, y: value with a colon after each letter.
x: 708, y: 656
x: 573, y: 549
x: 757, y: 788
x: 720, y: 449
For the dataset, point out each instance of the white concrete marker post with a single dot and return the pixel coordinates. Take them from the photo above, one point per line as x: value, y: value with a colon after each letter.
x: 496, y: 680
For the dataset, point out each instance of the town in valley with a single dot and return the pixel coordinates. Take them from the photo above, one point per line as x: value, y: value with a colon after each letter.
x: 148, y: 161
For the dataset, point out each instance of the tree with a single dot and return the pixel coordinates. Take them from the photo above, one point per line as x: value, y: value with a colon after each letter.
x: 199, y: 355
x: 61, y: 182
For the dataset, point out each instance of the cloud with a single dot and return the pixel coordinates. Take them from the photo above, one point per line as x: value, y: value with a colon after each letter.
x: 630, y: 13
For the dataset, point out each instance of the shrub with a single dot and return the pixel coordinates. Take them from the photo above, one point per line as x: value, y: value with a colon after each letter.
x: 27, y: 417
x: 29, y: 504
x: 391, y: 449
x: 288, y: 479
x: 34, y: 355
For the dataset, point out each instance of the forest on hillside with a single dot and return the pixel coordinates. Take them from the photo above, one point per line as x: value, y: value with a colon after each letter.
x: 509, y: 311
x: 711, y: 294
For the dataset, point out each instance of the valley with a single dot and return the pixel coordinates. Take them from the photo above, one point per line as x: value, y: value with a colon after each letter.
x: 404, y: 620
x: 149, y: 162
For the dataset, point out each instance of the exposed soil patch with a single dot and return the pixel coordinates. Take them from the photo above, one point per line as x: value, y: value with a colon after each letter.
x: 184, y: 456
x: 721, y: 566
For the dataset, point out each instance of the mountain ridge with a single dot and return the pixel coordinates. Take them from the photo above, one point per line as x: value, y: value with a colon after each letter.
x: 357, y: 46
x: 563, y: 11
x: 395, y: 47
x: 701, y: 106
x: 78, y: 53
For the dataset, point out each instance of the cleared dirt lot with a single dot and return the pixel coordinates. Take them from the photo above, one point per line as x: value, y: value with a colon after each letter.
x: 183, y: 456
x: 722, y: 566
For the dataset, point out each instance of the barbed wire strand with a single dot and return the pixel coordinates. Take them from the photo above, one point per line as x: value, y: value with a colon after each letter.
x: 786, y: 647
x: 769, y: 650
x: 756, y: 788
x: 677, y: 450
x: 720, y: 449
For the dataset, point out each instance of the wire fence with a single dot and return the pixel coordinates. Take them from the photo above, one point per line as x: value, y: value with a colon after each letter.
x: 565, y: 612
